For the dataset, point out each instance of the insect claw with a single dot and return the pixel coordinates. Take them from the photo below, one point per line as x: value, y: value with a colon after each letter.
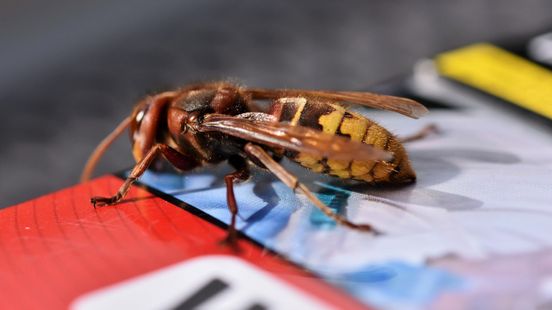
x: 94, y: 201
x: 102, y: 201
x: 231, y: 241
x: 365, y: 227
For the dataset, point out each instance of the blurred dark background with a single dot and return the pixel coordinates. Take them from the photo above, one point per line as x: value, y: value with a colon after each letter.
x: 71, y: 70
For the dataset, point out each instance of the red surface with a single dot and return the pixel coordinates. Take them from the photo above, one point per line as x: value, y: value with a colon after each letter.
x: 57, y: 247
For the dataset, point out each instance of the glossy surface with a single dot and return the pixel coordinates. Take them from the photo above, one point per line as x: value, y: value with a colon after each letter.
x: 57, y: 247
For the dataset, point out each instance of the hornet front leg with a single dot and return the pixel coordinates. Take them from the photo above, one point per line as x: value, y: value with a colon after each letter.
x: 177, y: 159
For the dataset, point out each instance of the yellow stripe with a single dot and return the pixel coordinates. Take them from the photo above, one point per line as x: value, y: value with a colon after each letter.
x: 376, y: 136
x: 301, y: 102
x: 331, y: 121
x: 355, y: 126
x: 502, y: 74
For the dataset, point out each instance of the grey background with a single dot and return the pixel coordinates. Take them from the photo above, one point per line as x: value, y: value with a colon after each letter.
x: 70, y: 70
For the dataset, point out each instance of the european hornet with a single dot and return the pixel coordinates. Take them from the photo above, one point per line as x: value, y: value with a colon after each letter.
x: 214, y: 122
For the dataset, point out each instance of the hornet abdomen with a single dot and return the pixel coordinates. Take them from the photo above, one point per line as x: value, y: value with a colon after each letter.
x: 333, y: 118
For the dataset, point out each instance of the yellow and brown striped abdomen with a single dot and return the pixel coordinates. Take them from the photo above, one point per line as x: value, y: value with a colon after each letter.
x: 335, y: 119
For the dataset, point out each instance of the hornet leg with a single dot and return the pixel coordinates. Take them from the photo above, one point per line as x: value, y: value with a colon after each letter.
x: 421, y: 134
x: 259, y: 155
x: 241, y: 174
x: 177, y: 159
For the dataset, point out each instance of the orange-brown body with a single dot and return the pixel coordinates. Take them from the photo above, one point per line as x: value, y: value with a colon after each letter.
x: 327, y: 116
x: 214, y: 122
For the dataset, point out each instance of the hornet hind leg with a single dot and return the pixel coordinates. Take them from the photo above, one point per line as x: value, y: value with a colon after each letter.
x: 258, y: 154
x: 421, y: 134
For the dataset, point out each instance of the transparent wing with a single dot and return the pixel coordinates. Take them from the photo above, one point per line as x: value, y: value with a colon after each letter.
x: 259, y: 128
x: 400, y: 105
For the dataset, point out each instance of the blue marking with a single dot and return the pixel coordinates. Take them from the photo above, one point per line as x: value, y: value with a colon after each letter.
x: 398, y: 283
x: 265, y: 209
x: 336, y: 200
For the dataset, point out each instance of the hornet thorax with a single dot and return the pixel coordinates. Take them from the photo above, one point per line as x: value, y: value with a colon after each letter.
x: 189, y: 108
